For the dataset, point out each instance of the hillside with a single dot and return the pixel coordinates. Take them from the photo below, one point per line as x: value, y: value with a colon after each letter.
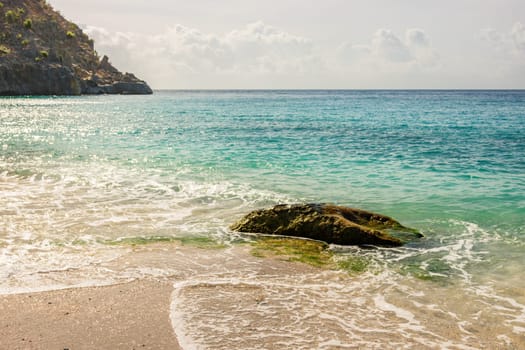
x: 42, y: 53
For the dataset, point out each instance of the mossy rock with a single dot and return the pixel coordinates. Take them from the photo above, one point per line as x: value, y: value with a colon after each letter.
x: 328, y: 223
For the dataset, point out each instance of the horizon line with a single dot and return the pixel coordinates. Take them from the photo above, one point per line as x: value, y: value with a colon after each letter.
x: 332, y: 89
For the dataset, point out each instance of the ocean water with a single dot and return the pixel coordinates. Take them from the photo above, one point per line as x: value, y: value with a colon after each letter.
x: 78, y: 175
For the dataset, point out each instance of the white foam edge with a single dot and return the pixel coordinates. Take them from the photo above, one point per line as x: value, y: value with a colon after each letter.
x: 177, y: 317
x: 57, y: 287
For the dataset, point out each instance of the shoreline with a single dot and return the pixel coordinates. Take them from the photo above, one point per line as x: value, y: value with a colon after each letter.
x: 133, y: 315
x: 232, y: 299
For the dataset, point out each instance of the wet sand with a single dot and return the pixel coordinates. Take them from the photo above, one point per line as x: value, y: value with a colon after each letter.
x: 133, y: 315
x: 230, y: 299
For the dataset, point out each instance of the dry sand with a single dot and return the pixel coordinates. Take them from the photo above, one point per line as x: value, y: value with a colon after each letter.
x: 134, y: 315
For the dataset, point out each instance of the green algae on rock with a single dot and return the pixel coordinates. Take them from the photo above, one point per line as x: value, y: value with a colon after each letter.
x: 328, y: 223
x: 310, y: 252
x: 307, y: 251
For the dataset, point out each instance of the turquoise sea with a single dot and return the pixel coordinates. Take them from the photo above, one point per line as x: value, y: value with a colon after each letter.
x: 79, y: 174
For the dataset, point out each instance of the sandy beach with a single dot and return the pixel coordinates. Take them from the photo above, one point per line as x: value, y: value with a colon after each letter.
x: 133, y: 315
x: 230, y: 299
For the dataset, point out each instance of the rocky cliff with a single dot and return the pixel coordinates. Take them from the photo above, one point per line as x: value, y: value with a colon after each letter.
x: 41, y: 53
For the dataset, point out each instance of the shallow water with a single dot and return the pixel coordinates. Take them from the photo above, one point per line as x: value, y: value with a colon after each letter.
x: 79, y: 175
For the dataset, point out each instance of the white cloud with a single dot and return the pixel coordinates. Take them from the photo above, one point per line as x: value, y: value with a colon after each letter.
x: 416, y: 38
x: 105, y: 38
x: 502, y: 55
x: 492, y: 36
x: 387, y: 51
x: 259, y: 55
x: 509, y: 44
x: 518, y: 36
x: 181, y: 51
x: 387, y: 45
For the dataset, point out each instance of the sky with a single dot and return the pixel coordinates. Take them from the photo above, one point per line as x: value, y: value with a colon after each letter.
x: 307, y: 44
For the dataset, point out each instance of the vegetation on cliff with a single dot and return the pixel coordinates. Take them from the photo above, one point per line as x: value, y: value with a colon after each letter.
x: 43, y: 53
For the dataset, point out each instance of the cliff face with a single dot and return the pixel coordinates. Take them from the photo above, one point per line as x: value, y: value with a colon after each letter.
x: 41, y: 53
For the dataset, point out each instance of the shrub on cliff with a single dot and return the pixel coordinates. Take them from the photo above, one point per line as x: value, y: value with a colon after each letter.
x: 28, y: 23
x: 4, y: 50
x: 10, y: 16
